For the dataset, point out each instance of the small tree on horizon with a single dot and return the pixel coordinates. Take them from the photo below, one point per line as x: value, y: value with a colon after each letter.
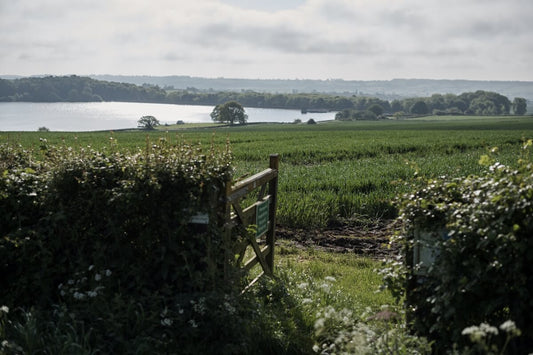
x: 229, y: 112
x: 147, y: 122
x: 419, y: 108
x: 519, y: 106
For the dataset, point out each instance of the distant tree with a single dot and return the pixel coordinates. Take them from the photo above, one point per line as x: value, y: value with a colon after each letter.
x: 396, y: 106
x: 458, y: 104
x: 483, y: 106
x: 229, y: 112
x: 344, y: 115
x: 7, y: 89
x: 311, y: 121
x: 519, y: 106
x: 368, y: 116
x: 43, y: 129
x: 419, y: 108
x: 486, y: 103
x: 376, y: 109
x: 436, y: 102
x: 148, y: 122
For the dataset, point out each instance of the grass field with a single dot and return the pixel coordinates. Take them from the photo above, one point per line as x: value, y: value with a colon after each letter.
x: 335, y: 170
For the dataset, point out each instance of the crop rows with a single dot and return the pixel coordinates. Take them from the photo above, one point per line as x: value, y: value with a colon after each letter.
x: 336, y: 170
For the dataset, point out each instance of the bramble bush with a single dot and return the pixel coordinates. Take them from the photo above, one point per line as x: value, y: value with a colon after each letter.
x: 480, y: 230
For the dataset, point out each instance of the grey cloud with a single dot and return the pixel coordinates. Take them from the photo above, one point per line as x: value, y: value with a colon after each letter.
x: 284, y: 39
x: 335, y: 11
x: 405, y: 17
x: 174, y: 57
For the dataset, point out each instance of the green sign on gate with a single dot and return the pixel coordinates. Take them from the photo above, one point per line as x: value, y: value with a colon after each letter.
x: 261, y: 217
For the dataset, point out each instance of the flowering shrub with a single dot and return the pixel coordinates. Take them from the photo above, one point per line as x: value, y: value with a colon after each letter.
x: 483, y: 336
x: 483, y: 265
x: 341, y: 328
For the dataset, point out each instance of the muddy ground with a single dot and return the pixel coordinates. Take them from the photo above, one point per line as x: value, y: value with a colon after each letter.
x: 370, y: 240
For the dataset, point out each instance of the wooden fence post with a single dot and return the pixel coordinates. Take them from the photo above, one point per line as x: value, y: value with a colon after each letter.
x: 227, y: 229
x: 273, y: 191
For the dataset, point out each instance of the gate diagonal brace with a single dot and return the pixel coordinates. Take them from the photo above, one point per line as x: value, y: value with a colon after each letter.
x: 259, y: 255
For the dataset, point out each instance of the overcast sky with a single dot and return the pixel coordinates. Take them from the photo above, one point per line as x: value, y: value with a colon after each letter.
x: 286, y: 39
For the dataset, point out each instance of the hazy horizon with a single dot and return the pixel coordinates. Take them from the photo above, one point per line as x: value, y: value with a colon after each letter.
x: 14, y: 76
x: 364, y: 40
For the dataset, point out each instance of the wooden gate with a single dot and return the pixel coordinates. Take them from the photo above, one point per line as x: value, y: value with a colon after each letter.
x: 261, y: 214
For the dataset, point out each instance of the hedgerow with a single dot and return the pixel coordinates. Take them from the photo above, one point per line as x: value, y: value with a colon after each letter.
x: 478, y: 232
x: 103, y: 241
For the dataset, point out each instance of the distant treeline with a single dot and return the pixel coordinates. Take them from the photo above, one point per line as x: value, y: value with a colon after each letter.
x: 83, y: 89
x: 469, y: 103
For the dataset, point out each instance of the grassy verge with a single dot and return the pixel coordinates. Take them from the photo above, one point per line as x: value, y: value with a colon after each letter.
x: 318, y: 303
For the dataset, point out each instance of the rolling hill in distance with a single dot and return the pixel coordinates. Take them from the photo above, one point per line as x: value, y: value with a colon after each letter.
x: 385, y: 89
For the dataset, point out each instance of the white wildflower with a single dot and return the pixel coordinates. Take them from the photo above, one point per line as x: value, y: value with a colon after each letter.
x: 307, y: 301
x: 319, y: 324
x: 92, y: 294
x: 79, y: 295
x: 510, y: 328
x: 229, y: 308
x: 330, y: 279
x: 303, y: 285
x: 469, y: 330
x: 4, y: 309
x: 108, y: 273
x: 167, y: 322
x: 70, y: 282
x: 193, y: 324
x: 200, y: 307
x: 488, y: 329
x: 474, y: 333
x: 325, y: 287
x: 97, y: 277
x: 91, y: 267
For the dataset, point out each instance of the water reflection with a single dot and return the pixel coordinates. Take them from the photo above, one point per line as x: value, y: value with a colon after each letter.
x: 92, y: 116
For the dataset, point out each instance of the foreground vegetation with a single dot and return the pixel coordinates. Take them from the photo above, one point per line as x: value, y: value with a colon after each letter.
x: 97, y: 256
x: 323, y: 303
x: 319, y: 303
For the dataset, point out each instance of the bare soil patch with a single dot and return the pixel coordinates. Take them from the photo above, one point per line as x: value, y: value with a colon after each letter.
x: 371, y: 241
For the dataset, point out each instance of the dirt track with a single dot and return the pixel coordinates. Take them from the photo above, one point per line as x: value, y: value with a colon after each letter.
x: 368, y: 241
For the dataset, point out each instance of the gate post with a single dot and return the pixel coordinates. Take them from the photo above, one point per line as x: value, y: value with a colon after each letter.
x: 227, y: 229
x: 273, y: 191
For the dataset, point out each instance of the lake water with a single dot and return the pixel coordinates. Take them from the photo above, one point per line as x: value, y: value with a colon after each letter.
x: 96, y: 116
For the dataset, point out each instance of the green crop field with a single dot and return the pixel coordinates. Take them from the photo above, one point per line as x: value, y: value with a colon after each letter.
x: 334, y: 171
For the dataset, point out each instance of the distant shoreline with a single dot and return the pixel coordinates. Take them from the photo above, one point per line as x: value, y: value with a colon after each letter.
x: 385, y: 89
